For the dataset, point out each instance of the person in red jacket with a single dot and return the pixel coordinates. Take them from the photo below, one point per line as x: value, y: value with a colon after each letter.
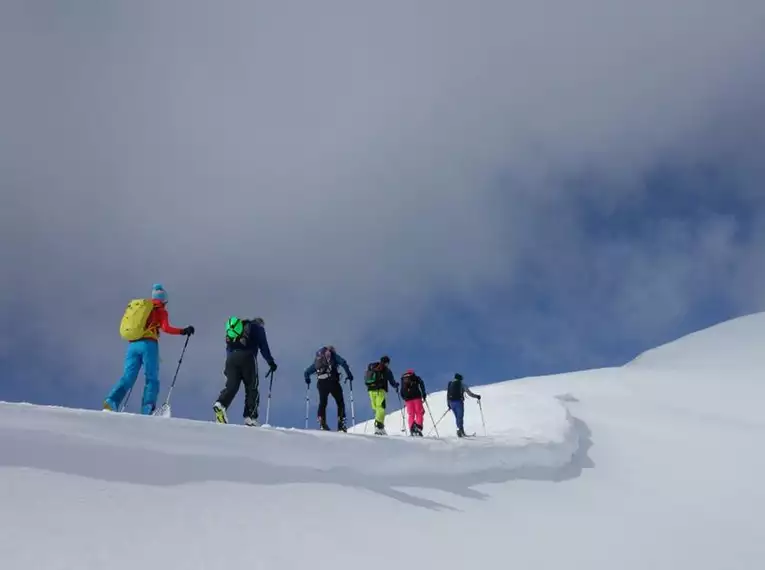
x: 145, y: 352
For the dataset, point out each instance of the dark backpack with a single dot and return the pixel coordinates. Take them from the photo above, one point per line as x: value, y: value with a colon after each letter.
x: 373, y: 377
x: 410, y: 386
x: 454, y: 390
x: 325, y: 364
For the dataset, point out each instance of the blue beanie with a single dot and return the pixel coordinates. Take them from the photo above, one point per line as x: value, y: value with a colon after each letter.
x: 158, y: 292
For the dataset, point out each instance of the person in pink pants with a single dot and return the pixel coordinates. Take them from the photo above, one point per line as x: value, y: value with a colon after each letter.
x: 413, y: 393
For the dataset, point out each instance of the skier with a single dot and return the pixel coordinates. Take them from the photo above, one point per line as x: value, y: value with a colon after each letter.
x: 377, y: 378
x: 243, y: 339
x: 325, y: 366
x: 413, y: 394
x: 455, y: 395
x: 140, y: 326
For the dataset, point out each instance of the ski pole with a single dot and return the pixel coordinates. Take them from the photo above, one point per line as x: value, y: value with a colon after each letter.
x: 270, y: 386
x: 307, y: 404
x: 125, y: 401
x: 401, y: 405
x: 353, y: 409
x: 480, y: 407
x: 166, y: 406
x: 439, y: 420
x: 431, y: 418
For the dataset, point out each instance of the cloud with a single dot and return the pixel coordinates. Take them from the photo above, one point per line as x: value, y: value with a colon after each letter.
x: 342, y: 168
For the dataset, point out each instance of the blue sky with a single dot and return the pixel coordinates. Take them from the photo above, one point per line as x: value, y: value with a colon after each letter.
x: 460, y: 188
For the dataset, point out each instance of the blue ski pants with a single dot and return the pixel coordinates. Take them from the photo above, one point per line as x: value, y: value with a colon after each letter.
x: 458, y: 408
x: 139, y: 353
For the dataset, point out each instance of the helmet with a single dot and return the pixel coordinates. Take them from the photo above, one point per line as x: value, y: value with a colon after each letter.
x: 385, y: 359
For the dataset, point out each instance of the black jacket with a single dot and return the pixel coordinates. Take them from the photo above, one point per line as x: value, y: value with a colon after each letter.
x: 412, y: 388
x: 386, y: 378
x: 456, y: 391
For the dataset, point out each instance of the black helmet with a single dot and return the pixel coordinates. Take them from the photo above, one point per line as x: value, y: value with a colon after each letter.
x: 458, y: 376
x: 385, y: 359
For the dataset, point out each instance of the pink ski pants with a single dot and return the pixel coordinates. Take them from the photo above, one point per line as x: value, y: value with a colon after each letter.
x: 414, y: 412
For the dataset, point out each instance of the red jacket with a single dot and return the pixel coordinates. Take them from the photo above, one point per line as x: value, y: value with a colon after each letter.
x: 159, y: 319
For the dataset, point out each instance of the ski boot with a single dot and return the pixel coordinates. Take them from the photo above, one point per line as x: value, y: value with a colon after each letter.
x: 252, y: 422
x: 109, y: 406
x: 460, y: 433
x: 417, y: 430
x: 341, y: 425
x: 323, y: 425
x: 220, y: 413
x: 380, y: 429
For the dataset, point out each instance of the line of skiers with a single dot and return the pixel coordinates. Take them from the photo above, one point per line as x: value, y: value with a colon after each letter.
x: 377, y: 378
x: 245, y: 338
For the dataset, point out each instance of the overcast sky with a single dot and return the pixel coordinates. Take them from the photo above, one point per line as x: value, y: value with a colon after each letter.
x: 499, y: 187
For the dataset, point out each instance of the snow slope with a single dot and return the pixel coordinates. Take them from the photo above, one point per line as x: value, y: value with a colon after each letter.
x: 657, y: 464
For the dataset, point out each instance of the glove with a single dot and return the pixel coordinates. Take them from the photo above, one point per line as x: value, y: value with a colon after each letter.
x: 272, y: 367
x: 350, y: 377
x: 307, y: 380
x: 395, y: 385
x: 188, y: 331
x: 478, y: 397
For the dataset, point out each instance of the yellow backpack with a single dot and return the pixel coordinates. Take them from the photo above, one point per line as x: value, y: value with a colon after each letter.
x: 133, y: 325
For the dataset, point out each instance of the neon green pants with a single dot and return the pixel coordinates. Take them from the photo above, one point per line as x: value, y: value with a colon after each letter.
x: 377, y: 399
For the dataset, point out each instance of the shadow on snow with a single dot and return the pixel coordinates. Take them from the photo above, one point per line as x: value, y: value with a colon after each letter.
x: 63, y: 453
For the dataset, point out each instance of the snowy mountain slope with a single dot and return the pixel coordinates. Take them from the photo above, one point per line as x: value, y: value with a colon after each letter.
x: 653, y: 465
x: 49, y: 439
x: 717, y: 373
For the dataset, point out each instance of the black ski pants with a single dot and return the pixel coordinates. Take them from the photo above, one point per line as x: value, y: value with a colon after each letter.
x: 241, y: 368
x: 327, y: 387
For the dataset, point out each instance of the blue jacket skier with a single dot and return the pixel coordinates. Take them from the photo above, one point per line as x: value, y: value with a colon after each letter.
x: 257, y: 340
x: 455, y: 399
x: 325, y: 366
x: 244, y: 338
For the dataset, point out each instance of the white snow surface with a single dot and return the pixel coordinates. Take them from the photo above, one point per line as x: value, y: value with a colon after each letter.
x: 657, y: 464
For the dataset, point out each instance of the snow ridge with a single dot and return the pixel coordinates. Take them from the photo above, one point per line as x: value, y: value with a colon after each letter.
x: 131, y: 446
